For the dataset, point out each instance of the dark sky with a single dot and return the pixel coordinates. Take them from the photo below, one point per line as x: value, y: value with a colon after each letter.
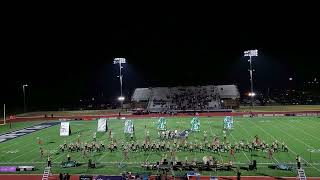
x: 68, y: 57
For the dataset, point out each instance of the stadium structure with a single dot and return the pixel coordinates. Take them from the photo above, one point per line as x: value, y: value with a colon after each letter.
x: 208, y: 98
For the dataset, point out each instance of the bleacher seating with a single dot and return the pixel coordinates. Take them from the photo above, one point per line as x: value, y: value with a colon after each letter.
x: 228, y: 91
x: 185, y: 98
x: 141, y: 94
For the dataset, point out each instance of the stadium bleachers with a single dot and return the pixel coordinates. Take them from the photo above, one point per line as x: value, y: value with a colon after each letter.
x: 228, y: 91
x: 185, y: 98
x: 141, y: 94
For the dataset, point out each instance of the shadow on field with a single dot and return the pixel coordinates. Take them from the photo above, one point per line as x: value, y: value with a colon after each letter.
x: 244, y: 168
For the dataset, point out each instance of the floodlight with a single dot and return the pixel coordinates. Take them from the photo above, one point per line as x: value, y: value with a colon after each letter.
x: 119, y: 60
x: 121, y: 98
x: 251, y: 53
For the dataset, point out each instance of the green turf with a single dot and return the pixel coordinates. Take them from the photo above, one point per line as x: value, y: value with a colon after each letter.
x: 301, y: 134
x: 16, y: 126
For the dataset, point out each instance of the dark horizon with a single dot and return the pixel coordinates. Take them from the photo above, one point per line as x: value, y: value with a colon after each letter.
x: 63, y: 63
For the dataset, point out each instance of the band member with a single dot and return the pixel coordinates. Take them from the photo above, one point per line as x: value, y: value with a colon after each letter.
x: 49, y: 161
x: 61, y: 148
x: 41, y: 152
x: 78, y: 139
x: 39, y: 141
x: 282, y: 145
x: 205, y: 136
x: 147, y: 137
x: 102, y: 145
x: 68, y: 157
x: 131, y: 136
x: 270, y: 153
x: 298, y: 159
x: 257, y: 140
x: 84, y: 152
x: 224, y: 135
x: 232, y: 153
x: 94, y: 136
x: 125, y: 153
x: 201, y: 148
x: 110, y: 132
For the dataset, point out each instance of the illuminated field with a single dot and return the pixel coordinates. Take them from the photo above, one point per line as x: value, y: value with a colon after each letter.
x: 301, y: 134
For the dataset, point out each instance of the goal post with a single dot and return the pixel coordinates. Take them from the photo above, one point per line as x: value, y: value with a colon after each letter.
x: 4, y: 115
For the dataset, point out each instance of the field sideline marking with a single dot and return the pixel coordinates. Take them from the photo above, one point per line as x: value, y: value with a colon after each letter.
x: 288, y: 147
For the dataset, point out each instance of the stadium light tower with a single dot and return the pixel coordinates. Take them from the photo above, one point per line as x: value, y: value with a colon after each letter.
x: 250, y: 54
x: 120, y: 61
x: 24, y: 97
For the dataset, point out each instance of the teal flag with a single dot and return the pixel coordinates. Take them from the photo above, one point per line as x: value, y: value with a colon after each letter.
x: 195, y: 124
x: 162, y: 124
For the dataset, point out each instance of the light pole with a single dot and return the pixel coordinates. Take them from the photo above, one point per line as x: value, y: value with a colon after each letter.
x: 251, y: 53
x: 24, y: 97
x: 120, y: 61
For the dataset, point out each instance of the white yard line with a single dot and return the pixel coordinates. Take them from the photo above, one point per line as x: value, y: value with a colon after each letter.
x: 241, y: 150
x: 253, y: 137
x: 212, y: 137
x: 288, y: 147
x: 295, y: 138
x: 104, y: 154
x: 33, y: 149
x: 147, y: 157
x: 17, y: 142
x: 26, y: 142
x: 301, y: 124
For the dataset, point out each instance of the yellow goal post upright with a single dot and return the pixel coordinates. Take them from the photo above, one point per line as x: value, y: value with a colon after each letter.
x: 4, y: 115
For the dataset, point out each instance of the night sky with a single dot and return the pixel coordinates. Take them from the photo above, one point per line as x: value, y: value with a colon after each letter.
x: 67, y: 58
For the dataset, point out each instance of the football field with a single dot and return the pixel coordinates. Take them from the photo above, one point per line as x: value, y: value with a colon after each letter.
x: 300, y: 134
